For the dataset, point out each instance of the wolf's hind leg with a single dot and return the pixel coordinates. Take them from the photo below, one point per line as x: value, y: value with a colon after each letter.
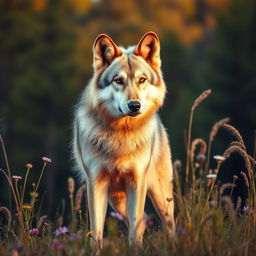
x: 161, y: 194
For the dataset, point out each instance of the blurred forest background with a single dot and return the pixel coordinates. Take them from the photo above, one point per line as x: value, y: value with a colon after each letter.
x: 46, y: 60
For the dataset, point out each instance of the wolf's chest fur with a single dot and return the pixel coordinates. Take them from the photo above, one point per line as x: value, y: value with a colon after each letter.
x: 118, y: 150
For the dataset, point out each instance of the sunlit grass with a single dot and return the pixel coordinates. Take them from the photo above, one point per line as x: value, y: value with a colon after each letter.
x: 208, y: 221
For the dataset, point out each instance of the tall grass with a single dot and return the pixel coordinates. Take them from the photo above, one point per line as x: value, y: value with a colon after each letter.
x: 207, y: 219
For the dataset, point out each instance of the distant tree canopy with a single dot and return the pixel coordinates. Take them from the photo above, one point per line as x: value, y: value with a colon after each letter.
x: 229, y: 65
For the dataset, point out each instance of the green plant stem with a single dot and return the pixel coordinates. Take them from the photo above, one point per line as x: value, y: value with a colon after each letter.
x: 188, y: 147
x: 207, y: 165
x: 72, y: 212
x: 5, y: 158
x: 40, y: 177
x: 12, y: 189
x: 8, y: 168
x: 18, y: 207
x: 233, y: 184
x: 24, y: 186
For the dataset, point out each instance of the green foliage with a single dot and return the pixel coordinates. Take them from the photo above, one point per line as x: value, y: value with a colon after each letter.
x: 39, y: 88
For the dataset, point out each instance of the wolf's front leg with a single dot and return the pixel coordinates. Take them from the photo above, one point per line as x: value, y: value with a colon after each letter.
x: 136, y: 196
x: 97, y: 201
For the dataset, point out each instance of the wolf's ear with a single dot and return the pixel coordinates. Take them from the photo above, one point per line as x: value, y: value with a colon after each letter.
x: 149, y: 49
x: 104, y: 51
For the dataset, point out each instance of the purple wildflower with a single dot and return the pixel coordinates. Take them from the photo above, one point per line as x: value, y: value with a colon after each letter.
x: 18, y: 247
x: 16, y: 177
x: 61, y: 230
x: 117, y: 215
x: 47, y: 159
x: 247, y: 209
x: 57, y: 246
x: 149, y: 223
x: 33, y: 231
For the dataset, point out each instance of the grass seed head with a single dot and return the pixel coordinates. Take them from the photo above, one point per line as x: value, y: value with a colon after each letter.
x: 7, y: 214
x: 235, y: 132
x: 217, y: 126
x: 230, y: 208
x: 245, y: 179
x: 199, y: 99
x: 243, y: 153
x: 203, y: 148
x: 226, y: 186
x: 79, y: 196
x: 71, y: 186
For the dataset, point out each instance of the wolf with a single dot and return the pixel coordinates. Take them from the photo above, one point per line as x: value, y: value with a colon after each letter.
x: 120, y: 145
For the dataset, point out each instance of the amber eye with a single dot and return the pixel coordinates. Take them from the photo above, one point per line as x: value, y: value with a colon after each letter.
x: 142, y: 80
x: 119, y: 80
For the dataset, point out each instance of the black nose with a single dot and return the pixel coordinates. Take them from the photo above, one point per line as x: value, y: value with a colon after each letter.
x: 134, y: 106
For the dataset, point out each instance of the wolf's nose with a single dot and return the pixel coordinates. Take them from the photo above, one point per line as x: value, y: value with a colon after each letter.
x: 134, y: 106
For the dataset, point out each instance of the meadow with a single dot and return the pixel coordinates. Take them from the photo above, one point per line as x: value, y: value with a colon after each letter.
x: 209, y: 220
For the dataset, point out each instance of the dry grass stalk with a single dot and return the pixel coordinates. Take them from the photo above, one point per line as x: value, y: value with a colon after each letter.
x: 230, y: 208
x: 238, y: 143
x: 41, y: 221
x: 71, y: 187
x: 177, y: 165
x: 238, y: 203
x: 251, y: 159
x: 59, y: 221
x: 245, y: 179
x: 194, y: 144
x: 226, y: 186
x: 79, y: 196
x: 235, y: 132
x: 206, y: 219
x: 237, y: 149
x: 217, y: 126
x: 7, y: 214
x: 202, y: 97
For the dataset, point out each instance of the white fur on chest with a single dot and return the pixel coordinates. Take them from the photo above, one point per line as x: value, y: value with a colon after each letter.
x: 112, y: 151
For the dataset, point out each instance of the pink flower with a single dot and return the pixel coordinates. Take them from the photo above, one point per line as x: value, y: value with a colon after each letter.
x: 16, y: 177
x: 57, y: 246
x: 47, y: 159
x: 33, y: 231
x: 247, y: 209
x: 117, y: 215
x: 149, y: 223
x: 61, y: 230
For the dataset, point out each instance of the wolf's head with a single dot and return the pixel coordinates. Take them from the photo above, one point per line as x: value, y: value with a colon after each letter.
x: 128, y: 82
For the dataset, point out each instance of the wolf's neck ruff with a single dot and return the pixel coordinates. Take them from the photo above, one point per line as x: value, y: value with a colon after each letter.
x: 123, y: 140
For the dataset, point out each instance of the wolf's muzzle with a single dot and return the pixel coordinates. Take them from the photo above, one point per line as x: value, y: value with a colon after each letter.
x: 134, y: 105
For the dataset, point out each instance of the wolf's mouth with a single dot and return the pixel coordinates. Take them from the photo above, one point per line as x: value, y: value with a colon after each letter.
x: 120, y: 110
x: 134, y: 114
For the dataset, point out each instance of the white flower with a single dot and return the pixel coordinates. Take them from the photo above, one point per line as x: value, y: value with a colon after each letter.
x: 219, y: 158
x: 211, y: 176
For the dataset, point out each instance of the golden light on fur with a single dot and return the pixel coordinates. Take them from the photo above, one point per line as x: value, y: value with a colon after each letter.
x: 120, y: 145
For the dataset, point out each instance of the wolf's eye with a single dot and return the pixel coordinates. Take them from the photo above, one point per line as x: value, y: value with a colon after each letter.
x: 119, y: 80
x: 142, y: 80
